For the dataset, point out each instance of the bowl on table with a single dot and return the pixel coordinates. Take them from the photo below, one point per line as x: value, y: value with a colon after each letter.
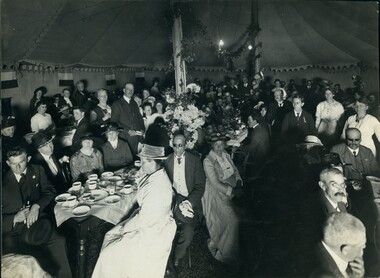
x: 81, y: 210
x: 107, y: 175
x: 62, y: 197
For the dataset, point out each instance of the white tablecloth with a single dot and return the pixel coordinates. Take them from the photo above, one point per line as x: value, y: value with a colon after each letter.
x: 111, y: 213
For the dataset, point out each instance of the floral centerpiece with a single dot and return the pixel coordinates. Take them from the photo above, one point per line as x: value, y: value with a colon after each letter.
x: 182, y: 114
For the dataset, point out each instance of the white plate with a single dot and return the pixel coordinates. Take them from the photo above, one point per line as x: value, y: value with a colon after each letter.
x: 81, y: 210
x: 126, y: 191
x: 98, y: 194
x: 68, y: 205
x: 62, y: 197
x: 113, y: 199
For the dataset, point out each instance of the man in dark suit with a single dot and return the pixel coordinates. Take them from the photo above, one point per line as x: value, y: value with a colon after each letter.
x: 340, y: 252
x: 56, y: 172
x: 277, y: 111
x: 80, y: 94
x: 126, y: 114
x: 257, y: 144
x: 185, y: 170
x: 81, y: 124
x: 298, y: 123
x: 361, y: 161
x: 26, y: 194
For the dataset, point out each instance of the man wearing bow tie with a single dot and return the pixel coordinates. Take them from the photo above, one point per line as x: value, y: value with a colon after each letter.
x: 185, y: 170
x: 26, y: 195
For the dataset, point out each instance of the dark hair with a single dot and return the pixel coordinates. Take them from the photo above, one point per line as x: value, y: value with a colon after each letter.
x: 66, y: 89
x: 277, y: 80
x: 363, y: 99
x: 82, y: 109
x: 16, y: 151
x: 145, y: 104
x: 298, y: 96
x: 39, y: 103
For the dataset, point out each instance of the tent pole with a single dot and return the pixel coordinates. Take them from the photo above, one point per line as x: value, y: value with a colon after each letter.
x: 179, y: 64
x: 255, y: 22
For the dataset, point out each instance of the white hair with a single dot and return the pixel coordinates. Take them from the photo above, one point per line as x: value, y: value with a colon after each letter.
x: 342, y: 228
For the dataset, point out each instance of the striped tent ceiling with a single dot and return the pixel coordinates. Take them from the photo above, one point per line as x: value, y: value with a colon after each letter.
x: 135, y: 33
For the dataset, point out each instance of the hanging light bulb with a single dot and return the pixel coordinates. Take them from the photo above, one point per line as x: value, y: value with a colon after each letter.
x: 221, y: 43
x: 250, y: 47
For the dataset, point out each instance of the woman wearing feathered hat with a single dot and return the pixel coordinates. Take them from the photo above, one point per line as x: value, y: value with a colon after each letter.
x: 140, y: 246
x: 223, y: 182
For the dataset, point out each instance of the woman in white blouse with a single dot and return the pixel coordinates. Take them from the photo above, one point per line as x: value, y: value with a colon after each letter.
x: 41, y: 120
x: 367, y: 124
x: 223, y: 182
x: 327, y: 117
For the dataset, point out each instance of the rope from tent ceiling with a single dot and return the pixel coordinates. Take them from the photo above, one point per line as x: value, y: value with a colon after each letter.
x: 45, y: 30
x: 105, y: 29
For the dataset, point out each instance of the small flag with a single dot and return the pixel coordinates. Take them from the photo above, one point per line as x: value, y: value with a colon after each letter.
x: 9, y: 80
x: 139, y: 74
x: 65, y: 79
x: 110, y: 79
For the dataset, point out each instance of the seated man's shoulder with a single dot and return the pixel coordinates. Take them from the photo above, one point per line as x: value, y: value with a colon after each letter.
x: 365, y: 150
x: 338, y: 148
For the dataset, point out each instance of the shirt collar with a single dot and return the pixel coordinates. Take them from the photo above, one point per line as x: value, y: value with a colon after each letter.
x: 18, y: 176
x: 46, y: 157
x: 335, y: 205
x: 295, y: 113
x: 342, y: 264
x: 182, y: 156
x: 113, y: 143
x: 127, y: 99
x: 352, y: 151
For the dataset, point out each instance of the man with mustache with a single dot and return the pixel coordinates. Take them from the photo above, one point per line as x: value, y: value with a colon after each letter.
x: 359, y: 159
x: 331, y: 197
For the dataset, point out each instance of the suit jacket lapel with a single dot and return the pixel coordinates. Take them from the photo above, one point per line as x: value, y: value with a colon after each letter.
x: 188, y: 172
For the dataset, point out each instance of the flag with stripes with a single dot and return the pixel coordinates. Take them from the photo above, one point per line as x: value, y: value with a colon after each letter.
x: 9, y: 80
x: 65, y: 79
x: 110, y: 79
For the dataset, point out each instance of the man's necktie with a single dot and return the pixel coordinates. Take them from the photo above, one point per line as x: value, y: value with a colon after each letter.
x: 22, y: 180
x: 354, y: 153
x: 349, y: 271
x: 298, y: 117
x: 52, y: 166
x: 280, y: 105
x: 179, y: 160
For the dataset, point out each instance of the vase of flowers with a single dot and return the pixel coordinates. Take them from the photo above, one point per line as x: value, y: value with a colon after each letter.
x: 182, y: 115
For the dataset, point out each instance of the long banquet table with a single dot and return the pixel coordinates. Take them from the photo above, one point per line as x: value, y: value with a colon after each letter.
x: 99, y: 210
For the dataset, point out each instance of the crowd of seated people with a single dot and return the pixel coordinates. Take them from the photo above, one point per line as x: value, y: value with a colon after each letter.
x: 293, y: 131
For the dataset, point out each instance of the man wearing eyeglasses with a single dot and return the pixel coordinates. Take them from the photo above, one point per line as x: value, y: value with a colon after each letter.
x: 185, y: 170
x: 359, y: 159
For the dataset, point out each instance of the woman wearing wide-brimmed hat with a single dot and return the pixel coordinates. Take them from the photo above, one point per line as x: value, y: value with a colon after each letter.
x: 88, y: 160
x: 223, y: 182
x: 140, y: 246
x: 116, y: 152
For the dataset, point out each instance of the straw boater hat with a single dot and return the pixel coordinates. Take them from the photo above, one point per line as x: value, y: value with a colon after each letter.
x: 41, y: 138
x: 63, y: 108
x: 112, y: 127
x: 152, y: 152
x: 312, y: 140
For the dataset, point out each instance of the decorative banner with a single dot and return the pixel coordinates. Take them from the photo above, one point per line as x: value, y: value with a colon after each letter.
x: 66, y: 79
x: 139, y: 74
x: 9, y: 80
x: 110, y: 79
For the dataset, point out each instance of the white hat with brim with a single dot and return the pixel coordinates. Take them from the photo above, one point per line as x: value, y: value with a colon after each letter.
x: 152, y: 152
x: 312, y: 140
